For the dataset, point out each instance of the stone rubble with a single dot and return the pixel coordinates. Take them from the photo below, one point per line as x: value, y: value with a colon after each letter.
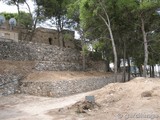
x: 9, y: 83
x: 60, y: 88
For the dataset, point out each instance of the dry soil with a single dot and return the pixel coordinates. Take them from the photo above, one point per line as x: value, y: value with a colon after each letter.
x: 138, y: 99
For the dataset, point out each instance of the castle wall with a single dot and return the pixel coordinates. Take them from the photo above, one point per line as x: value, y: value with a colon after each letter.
x: 49, y: 36
x: 21, y: 50
x: 41, y: 35
x: 47, y: 57
x: 44, y: 36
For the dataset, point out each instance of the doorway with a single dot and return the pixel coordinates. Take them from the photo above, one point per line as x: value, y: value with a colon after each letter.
x: 50, y: 41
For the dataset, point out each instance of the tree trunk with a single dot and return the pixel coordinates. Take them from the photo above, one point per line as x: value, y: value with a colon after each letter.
x: 124, y: 63
x: 82, y: 44
x: 33, y: 30
x: 153, y: 75
x: 84, y: 62
x: 59, y: 42
x: 29, y: 9
x: 108, y: 24
x: 60, y: 29
x: 159, y: 70
x: 145, y: 48
x: 62, y: 42
x: 129, y: 69
x: 140, y: 70
x: 107, y: 66
x: 115, y: 53
x: 35, y: 23
x: 150, y: 71
x: 118, y: 64
x: 18, y: 10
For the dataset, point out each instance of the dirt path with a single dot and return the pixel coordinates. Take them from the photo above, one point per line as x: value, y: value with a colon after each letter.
x: 24, y: 107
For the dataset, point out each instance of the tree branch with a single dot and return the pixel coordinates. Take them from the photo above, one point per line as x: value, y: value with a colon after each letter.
x: 105, y: 12
x: 104, y: 20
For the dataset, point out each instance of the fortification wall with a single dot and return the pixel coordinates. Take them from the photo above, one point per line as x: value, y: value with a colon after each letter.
x: 49, y: 36
x: 47, y: 57
x: 33, y: 51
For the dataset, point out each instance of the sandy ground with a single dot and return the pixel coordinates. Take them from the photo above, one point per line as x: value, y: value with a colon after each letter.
x: 138, y: 99
x: 65, y: 75
x: 26, y: 107
x: 26, y: 69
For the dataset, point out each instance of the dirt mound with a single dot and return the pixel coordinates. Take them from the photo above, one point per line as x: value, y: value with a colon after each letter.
x: 84, y: 106
x: 137, y: 99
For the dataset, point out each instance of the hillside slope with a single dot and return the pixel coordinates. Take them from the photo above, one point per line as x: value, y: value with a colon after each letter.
x: 138, y: 99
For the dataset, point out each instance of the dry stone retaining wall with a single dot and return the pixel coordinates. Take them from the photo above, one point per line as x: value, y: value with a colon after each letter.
x: 46, y: 57
x: 9, y: 83
x: 64, y: 87
x: 57, y: 66
x: 37, y: 52
x: 13, y: 83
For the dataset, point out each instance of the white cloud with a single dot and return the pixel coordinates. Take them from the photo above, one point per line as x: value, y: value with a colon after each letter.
x: 7, y: 8
x: 13, y: 9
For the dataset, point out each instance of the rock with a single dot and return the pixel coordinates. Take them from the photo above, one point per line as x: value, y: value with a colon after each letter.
x: 146, y: 94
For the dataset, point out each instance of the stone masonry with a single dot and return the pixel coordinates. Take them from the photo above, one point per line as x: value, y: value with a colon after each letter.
x: 34, y: 51
x: 48, y: 57
x: 9, y: 83
x: 45, y: 58
x: 60, y: 88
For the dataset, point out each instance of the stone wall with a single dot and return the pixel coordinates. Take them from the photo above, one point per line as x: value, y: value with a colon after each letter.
x: 32, y: 51
x: 9, y: 83
x: 41, y: 35
x: 45, y: 57
x: 9, y: 35
x: 14, y: 83
x: 64, y: 87
x: 49, y: 36
x: 57, y: 66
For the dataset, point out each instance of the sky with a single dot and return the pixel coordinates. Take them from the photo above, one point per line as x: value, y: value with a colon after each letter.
x: 13, y: 9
